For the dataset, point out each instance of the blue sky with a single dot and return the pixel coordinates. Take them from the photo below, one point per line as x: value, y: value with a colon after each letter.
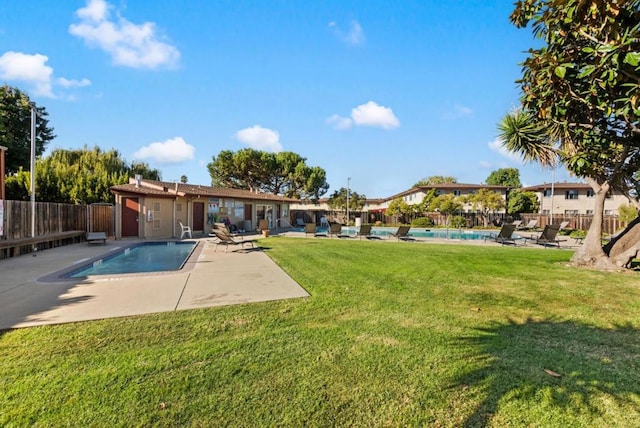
x: 383, y: 92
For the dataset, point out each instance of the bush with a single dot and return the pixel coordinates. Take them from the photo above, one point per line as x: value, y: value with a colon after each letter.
x: 422, y: 222
x: 578, y: 234
x: 458, y: 221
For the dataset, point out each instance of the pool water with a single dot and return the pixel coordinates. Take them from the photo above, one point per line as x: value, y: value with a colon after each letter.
x: 145, y: 257
x: 464, y: 234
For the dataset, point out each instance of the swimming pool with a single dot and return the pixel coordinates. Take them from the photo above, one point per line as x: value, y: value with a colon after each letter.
x: 463, y: 234
x: 144, y: 257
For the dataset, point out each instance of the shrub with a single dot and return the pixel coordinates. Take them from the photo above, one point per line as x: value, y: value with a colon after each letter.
x: 458, y: 221
x: 422, y: 222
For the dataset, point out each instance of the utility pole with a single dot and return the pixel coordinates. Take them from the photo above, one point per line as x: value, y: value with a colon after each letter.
x: 33, y: 170
x: 348, y: 192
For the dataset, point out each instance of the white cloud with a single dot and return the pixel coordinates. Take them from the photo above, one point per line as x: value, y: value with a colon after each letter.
x: 485, y: 164
x: 496, y: 146
x: 33, y: 70
x: 28, y: 68
x: 354, y: 36
x: 260, y: 138
x: 372, y: 114
x: 70, y: 83
x: 339, y: 122
x: 130, y: 45
x: 457, y: 111
x: 462, y: 111
x: 173, y: 150
x: 369, y: 114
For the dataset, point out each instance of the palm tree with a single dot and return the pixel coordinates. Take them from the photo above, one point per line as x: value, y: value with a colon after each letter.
x: 521, y: 133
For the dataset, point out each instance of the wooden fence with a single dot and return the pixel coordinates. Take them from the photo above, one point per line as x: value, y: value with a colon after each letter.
x: 55, y: 224
x: 611, y: 224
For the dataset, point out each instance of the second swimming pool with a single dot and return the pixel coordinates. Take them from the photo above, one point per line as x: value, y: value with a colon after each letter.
x: 463, y: 234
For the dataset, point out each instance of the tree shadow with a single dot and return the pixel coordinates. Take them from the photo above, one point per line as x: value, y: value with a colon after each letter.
x: 567, y: 363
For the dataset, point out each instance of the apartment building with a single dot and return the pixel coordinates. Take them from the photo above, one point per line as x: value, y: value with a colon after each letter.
x: 572, y: 199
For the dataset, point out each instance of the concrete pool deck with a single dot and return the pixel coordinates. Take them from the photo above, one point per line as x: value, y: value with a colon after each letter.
x: 29, y: 296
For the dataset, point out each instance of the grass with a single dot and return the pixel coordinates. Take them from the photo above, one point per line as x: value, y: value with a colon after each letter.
x: 395, y: 334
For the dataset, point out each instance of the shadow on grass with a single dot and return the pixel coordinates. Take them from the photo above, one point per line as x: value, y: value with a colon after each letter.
x: 563, y: 364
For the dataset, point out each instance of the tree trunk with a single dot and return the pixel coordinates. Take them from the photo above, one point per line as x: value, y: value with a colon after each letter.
x: 591, y: 253
x: 625, y: 246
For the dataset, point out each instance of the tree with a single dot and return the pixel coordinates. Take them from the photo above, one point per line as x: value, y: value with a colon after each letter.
x: 338, y: 202
x: 399, y: 207
x: 446, y: 204
x: 435, y: 179
x: 183, y: 179
x: 15, y: 129
x: 627, y: 213
x: 79, y: 176
x: 508, y: 177
x: 580, y: 106
x: 486, y: 201
x: 283, y: 173
x: 18, y: 186
x: 522, y: 202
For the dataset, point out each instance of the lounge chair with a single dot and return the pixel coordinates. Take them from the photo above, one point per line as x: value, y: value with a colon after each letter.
x: 505, y: 236
x: 563, y: 225
x: 531, y: 225
x: 311, y: 228
x: 335, y: 229
x: 221, y: 226
x: 517, y: 223
x: 300, y: 222
x: 96, y: 237
x: 365, y: 232
x: 548, y: 236
x: 403, y: 234
x: 225, y: 238
x: 184, y: 230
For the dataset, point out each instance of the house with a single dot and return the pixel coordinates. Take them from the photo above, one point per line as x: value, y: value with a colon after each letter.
x: 374, y: 209
x: 415, y: 195
x: 573, y: 199
x: 154, y: 209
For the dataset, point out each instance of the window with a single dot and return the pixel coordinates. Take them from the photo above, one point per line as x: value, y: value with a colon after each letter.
x: 457, y: 193
x: 179, y: 207
x: 589, y: 212
x: 608, y: 212
x: 471, y: 192
x: 156, y: 206
x: 546, y: 193
x: 571, y: 194
x: 546, y: 212
x: 590, y: 193
x: 570, y: 212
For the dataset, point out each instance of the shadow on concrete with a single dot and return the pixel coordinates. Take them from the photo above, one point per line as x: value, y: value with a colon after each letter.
x: 576, y: 363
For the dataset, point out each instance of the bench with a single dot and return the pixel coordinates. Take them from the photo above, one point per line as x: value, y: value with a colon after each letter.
x: 16, y: 247
x: 96, y: 237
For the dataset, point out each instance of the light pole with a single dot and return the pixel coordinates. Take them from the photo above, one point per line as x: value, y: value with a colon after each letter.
x: 33, y: 170
x: 553, y: 182
x: 348, y: 191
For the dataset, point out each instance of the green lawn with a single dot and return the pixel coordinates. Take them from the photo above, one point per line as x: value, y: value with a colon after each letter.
x: 394, y: 334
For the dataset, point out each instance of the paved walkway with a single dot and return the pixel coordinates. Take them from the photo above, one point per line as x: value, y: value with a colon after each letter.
x: 29, y: 296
